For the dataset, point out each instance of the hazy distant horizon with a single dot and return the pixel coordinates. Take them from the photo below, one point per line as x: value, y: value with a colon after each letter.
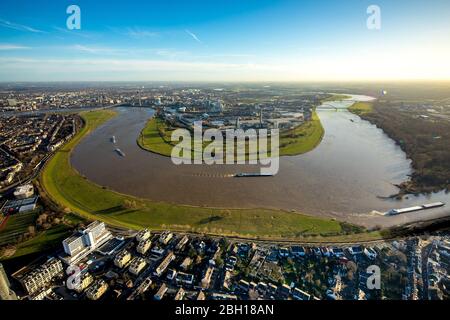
x: 237, y: 82
x: 225, y: 41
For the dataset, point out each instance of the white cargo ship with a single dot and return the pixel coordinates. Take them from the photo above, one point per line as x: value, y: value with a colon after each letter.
x: 120, y: 152
x: 395, y: 212
x: 113, y: 139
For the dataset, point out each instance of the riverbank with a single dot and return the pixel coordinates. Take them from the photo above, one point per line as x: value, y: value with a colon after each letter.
x: 76, y: 194
x: 156, y: 137
x: 422, y: 138
x: 361, y: 108
x: 302, y: 139
x: 337, y: 97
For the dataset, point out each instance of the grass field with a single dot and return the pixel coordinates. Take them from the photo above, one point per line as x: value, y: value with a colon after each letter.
x: 361, y: 108
x: 152, y: 139
x: 43, y: 241
x: 16, y: 225
x: 74, y: 193
x: 156, y: 138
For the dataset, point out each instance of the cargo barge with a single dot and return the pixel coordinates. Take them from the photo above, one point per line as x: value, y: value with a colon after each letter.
x: 395, y: 212
x: 250, y: 175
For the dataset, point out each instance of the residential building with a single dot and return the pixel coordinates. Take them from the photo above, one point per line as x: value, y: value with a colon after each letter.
x: 39, y: 277
x: 244, y: 285
x: 185, y: 278
x: 207, y: 278
x: 370, y: 253
x: 96, y: 290
x: 182, y: 242
x: 143, y: 246
x: 285, y: 291
x: 143, y: 235
x: 166, y: 237
x: 298, y: 251
x: 164, y: 264
x: 221, y: 296
x: 186, y: 263
x: 171, y: 274
x: 161, y: 292
x: 137, y: 265
x: 180, y: 294
x: 122, y: 258
x: 300, y: 294
x: 85, y: 281
x: 201, y: 296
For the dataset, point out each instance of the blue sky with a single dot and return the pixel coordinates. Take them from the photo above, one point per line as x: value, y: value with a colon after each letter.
x: 224, y: 40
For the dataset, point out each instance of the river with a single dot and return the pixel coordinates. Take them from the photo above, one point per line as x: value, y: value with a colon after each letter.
x: 345, y: 177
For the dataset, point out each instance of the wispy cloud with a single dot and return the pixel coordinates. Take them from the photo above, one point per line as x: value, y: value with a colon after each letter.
x: 17, y: 26
x: 6, y: 46
x: 162, y: 52
x: 125, y: 51
x: 169, y: 53
x: 228, y: 55
x: 193, y: 35
x: 97, y: 50
x: 123, y: 66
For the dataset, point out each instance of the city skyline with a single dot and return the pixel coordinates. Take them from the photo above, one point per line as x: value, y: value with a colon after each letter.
x: 229, y: 41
